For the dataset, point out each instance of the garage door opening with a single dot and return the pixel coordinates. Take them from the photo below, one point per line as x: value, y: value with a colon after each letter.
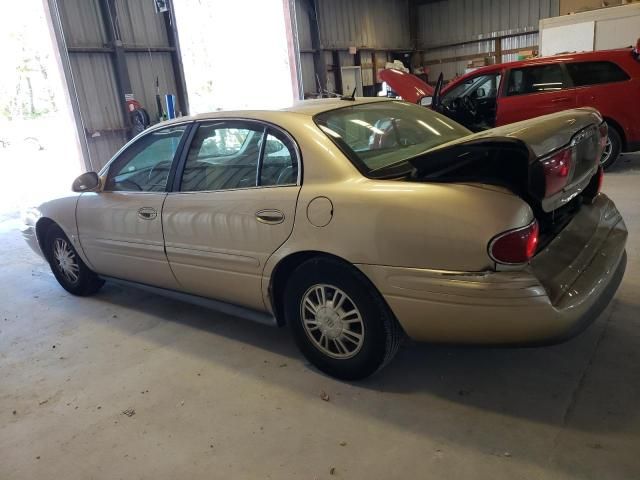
x: 235, y: 54
x: 38, y: 158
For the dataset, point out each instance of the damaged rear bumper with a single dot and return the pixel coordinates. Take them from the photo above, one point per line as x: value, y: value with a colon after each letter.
x: 563, y: 290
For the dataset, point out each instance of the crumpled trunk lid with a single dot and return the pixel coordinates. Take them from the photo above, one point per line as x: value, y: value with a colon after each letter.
x: 513, y: 156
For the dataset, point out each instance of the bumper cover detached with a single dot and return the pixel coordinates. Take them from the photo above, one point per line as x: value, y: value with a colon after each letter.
x: 563, y: 290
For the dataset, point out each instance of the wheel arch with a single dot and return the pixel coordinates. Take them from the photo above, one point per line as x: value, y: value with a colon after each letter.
x: 42, y: 227
x: 285, y: 267
x: 613, y: 123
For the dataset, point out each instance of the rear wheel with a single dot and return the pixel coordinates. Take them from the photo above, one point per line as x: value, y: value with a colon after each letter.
x: 612, y: 148
x: 67, y: 266
x: 339, y: 321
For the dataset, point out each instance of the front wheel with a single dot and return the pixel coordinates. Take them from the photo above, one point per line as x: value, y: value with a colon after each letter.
x: 67, y: 266
x: 612, y: 148
x: 339, y: 321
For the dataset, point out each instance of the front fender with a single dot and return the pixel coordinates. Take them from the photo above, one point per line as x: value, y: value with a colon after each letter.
x: 62, y: 212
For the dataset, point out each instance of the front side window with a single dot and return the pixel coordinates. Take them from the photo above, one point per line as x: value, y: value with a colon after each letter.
x: 543, y: 78
x: 482, y: 86
x: 223, y: 156
x: 145, y: 165
x: 381, y: 136
x: 594, y: 73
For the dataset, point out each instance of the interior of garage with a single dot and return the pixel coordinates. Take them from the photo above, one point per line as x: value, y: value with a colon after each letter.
x: 129, y: 384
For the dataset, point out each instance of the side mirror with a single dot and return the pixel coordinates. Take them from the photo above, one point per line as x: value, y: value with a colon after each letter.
x: 480, y: 93
x: 426, y: 101
x: 86, y: 182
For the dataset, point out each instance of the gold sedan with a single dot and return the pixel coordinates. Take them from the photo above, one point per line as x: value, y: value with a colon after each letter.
x: 354, y: 222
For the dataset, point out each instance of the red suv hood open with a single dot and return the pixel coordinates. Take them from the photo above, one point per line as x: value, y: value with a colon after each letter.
x: 408, y: 86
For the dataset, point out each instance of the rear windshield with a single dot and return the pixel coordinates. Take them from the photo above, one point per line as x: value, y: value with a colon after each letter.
x: 380, y: 137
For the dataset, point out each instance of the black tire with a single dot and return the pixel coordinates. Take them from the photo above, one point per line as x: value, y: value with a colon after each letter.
x: 380, y: 330
x: 86, y: 282
x: 616, y: 148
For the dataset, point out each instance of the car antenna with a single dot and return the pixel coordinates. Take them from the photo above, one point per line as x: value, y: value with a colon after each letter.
x: 351, y: 97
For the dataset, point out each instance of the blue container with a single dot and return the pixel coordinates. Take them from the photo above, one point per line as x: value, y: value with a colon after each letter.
x: 170, y: 101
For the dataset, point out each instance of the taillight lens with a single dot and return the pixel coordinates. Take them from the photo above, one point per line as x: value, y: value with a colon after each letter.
x: 515, y: 246
x: 556, y: 171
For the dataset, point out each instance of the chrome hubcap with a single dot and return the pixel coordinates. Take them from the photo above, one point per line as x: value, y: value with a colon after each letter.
x: 606, y: 153
x: 66, y: 260
x: 332, y: 321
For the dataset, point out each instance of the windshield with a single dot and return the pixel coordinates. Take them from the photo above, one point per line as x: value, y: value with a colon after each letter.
x: 378, y: 136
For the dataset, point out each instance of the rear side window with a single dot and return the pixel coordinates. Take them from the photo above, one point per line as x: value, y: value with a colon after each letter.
x: 593, y: 73
x: 223, y: 156
x: 543, y: 78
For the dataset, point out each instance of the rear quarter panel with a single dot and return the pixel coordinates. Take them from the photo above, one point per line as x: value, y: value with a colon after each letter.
x: 405, y: 224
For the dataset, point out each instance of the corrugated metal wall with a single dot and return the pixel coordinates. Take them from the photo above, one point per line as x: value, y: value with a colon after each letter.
x: 368, y: 25
x: 443, y: 26
x: 453, y: 21
x: 148, y: 53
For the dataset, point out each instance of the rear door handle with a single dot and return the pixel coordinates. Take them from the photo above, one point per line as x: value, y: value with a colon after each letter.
x: 270, y: 216
x: 147, y: 213
x: 558, y: 100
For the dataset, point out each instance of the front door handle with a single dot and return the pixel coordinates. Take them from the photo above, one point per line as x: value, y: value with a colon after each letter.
x: 558, y: 100
x: 270, y: 216
x: 147, y: 213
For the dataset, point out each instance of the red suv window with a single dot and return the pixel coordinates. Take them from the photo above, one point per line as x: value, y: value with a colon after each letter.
x: 593, y: 73
x: 542, y: 78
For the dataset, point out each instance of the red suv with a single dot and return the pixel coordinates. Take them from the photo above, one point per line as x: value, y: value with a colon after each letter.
x: 505, y: 93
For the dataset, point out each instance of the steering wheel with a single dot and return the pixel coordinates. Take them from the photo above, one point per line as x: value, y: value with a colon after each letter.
x: 470, y: 105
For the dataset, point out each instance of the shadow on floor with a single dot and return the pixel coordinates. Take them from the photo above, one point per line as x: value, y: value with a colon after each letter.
x: 537, y: 384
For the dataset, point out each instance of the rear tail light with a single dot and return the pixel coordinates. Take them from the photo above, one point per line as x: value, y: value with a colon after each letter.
x: 515, y: 246
x: 557, y: 169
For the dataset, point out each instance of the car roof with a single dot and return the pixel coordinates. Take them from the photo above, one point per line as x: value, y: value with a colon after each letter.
x: 561, y: 58
x: 301, y: 107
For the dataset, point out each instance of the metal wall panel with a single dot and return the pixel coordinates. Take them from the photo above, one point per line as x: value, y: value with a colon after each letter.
x: 91, y: 75
x: 82, y: 23
x: 309, y: 82
x: 140, y: 24
x: 303, y: 25
x: 143, y: 70
x: 95, y: 85
x: 453, y: 21
x: 364, y: 23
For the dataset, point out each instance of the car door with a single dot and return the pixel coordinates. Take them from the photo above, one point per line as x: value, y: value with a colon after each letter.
x: 535, y: 90
x: 603, y: 85
x: 473, y: 102
x: 120, y: 227
x: 234, y: 205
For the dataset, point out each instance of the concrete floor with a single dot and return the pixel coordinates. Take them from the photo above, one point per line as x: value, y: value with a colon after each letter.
x: 217, y: 397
